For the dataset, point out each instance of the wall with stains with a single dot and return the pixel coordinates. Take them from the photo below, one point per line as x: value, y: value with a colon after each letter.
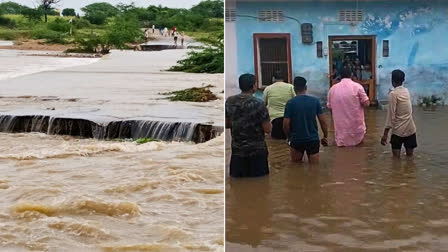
x: 417, y: 32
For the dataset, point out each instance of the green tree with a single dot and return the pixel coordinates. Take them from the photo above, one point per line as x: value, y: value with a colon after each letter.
x: 97, y: 13
x: 122, y: 30
x: 208, y: 60
x: 32, y: 14
x: 68, y: 12
x: 11, y: 8
x: 210, y: 8
x: 48, y: 7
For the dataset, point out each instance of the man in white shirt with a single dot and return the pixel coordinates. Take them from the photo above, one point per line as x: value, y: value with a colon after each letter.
x: 399, y: 118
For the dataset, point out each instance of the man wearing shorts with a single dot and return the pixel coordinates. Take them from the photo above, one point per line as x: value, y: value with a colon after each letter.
x: 275, y: 97
x: 248, y: 120
x: 399, y: 118
x: 300, y: 124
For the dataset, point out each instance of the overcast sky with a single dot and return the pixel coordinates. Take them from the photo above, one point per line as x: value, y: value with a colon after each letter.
x: 78, y: 4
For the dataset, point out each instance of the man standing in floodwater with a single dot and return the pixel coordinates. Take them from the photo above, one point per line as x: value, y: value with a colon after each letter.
x: 248, y: 120
x: 346, y: 100
x: 146, y: 35
x: 300, y: 124
x: 175, y: 38
x: 399, y: 118
x: 275, y: 98
x: 182, y: 38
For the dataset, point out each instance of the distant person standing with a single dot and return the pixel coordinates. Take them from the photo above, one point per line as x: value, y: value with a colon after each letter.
x: 160, y: 30
x: 182, y: 38
x: 300, y: 124
x: 346, y: 100
x: 147, y: 35
x: 165, y: 32
x: 175, y: 38
x: 275, y: 98
x: 399, y: 118
x: 248, y: 120
x: 153, y: 28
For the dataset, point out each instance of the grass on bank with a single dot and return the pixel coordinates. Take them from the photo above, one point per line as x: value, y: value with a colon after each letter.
x: 145, y: 140
x: 195, y: 94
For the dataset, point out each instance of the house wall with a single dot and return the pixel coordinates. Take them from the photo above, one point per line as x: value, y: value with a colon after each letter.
x: 230, y: 49
x: 416, y: 30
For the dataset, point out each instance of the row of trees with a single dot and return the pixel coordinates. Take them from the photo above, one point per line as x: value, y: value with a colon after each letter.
x: 198, y: 17
x: 98, y: 13
x: 44, y: 9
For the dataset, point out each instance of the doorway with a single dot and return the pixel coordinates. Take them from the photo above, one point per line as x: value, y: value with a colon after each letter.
x: 272, y: 55
x: 357, y: 53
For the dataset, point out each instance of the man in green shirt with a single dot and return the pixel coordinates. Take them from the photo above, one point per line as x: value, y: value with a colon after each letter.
x: 275, y: 97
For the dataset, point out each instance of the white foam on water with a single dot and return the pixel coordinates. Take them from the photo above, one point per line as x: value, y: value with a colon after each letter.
x: 6, y: 43
x: 15, y: 63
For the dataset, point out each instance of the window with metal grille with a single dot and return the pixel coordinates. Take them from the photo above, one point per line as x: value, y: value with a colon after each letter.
x: 271, y: 16
x: 350, y: 15
x: 230, y: 15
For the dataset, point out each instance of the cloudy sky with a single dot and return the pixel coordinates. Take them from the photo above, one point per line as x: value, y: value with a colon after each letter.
x: 78, y: 4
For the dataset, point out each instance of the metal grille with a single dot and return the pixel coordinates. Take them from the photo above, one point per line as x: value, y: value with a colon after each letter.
x: 230, y: 15
x: 273, y: 59
x: 271, y: 16
x: 350, y: 15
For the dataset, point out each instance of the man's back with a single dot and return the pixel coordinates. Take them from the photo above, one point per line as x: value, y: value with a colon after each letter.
x: 400, y: 112
x: 345, y: 99
x: 276, y: 96
x: 303, y: 110
x: 247, y: 115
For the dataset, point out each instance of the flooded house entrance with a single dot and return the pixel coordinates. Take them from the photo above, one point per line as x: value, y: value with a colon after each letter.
x: 272, y: 55
x: 357, y: 53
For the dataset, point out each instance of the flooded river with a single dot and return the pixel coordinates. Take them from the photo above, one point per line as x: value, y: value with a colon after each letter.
x: 356, y: 199
x: 66, y: 194
x: 63, y: 193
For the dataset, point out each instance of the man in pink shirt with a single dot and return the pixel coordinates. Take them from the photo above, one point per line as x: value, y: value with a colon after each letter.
x: 346, y: 100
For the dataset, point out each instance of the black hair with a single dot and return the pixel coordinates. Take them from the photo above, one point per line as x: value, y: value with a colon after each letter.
x: 346, y: 72
x: 277, y: 75
x: 299, y: 84
x: 247, y: 82
x: 398, y: 76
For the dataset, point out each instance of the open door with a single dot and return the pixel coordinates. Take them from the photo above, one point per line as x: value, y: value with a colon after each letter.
x: 272, y: 54
x: 357, y: 53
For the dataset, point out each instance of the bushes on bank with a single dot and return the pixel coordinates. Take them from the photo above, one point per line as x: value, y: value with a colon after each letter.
x: 118, y: 33
x: 208, y: 60
x: 7, y: 22
x: 59, y: 25
x: 50, y: 36
x: 81, y: 23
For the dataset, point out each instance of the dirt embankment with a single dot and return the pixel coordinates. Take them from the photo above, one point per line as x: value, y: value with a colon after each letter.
x: 37, y: 45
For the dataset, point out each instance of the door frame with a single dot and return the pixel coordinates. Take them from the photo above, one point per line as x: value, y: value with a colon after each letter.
x: 257, y: 36
x: 372, y: 88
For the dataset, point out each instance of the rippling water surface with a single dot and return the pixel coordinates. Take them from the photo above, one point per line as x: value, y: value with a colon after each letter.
x: 81, y: 194
x: 357, y: 199
x: 62, y: 193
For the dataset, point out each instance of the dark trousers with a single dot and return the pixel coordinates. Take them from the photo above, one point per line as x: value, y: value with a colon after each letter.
x: 252, y: 166
x: 277, y: 129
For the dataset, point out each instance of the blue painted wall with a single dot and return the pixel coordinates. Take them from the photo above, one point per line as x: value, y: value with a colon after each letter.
x: 417, y: 32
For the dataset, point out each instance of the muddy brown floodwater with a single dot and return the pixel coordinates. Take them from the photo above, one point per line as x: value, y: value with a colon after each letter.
x: 356, y: 199
x: 61, y: 193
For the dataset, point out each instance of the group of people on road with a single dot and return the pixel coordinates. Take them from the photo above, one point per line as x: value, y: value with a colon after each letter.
x: 288, y: 112
x: 167, y: 33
